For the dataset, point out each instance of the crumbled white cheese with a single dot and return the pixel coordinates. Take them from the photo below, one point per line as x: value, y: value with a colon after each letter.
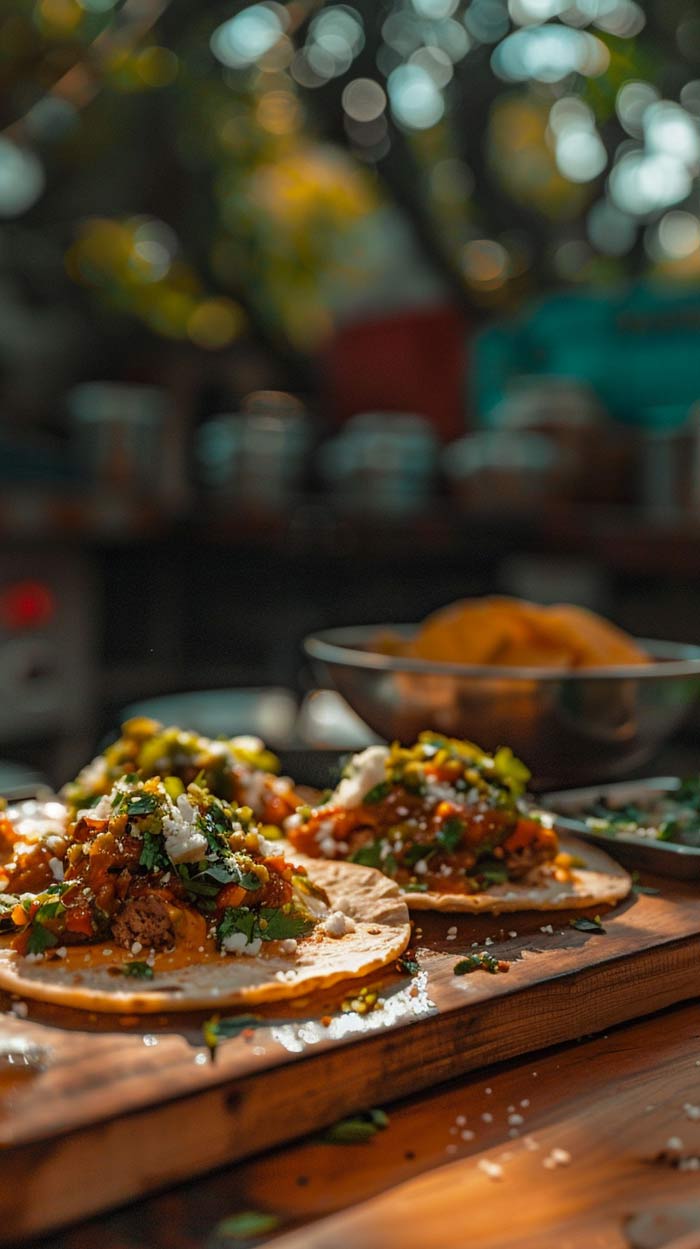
x: 20, y: 1009
x: 337, y: 924
x: 56, y: 869
x: 421, y: 868
x: 136, y: 947
x: 237, y: 943
x: 183, y: 841
x: 288, y: 946
x: 101, y: 810
x: 327, y: 847
x: 365, y: 770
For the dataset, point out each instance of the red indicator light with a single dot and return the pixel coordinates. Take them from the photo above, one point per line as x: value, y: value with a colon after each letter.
x: 26, y: 605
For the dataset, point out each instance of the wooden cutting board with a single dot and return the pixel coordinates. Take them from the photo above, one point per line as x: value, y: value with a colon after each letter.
x: 115, y: 1108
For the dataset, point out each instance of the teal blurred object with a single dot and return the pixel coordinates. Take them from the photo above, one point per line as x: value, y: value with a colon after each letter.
x: 637, y: 348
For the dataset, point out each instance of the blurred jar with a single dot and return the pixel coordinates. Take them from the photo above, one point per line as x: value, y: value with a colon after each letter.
x: 119, y: 434
x: 569, y: 413
x: 381, y: 462
x: 501, y: 470
x: 668, y: 466
x: 255, y: 459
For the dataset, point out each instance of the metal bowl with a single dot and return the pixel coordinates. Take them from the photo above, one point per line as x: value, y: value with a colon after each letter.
x: 571, y: 728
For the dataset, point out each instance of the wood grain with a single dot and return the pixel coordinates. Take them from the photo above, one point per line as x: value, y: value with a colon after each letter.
x: 105, y: 1087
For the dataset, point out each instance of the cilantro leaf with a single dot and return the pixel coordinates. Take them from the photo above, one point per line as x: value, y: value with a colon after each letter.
x: 451, y: 834
x: 247, y: 1226
x: 408, y: 965
x: 371, y: 856
x: 413, y: 854
x: 415, y: 886
x: 49, y: 910
x: 267, y: 924
x: 141, y: 804
x: 40, y: 939
x: 153, y: 852
x: 139, y: 970
x: 480, y: 962
x: 491, y: 872
x: 358, y: 1129
x: 377, y: 793
x: 587, y: 925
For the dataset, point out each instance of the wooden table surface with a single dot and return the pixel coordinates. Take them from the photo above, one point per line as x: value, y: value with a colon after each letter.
x: 565, y: 1149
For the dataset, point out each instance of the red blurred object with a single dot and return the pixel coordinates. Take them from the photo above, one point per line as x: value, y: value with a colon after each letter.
x: 26, y: 605
x: 411, y: 362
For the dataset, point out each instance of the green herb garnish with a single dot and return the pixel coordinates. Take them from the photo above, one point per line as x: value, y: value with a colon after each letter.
x: 408, y: 965
x: 153, y: 852
x: 377, y: 793
x: 40, y: 939
x: 371, y: 856
x: 139, y: 970
x: 587, y: 925
x: 246, y: 1226
x: 480, y: 962
x: 267, y: 924
x: 358, y: 1129
x: 451, y: 834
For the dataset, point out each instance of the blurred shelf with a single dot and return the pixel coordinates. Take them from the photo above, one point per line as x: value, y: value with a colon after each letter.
x: 625, y: 539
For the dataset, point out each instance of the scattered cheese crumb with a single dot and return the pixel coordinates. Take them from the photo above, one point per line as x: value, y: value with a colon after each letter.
x: 136, y: 947
x: 525, y: 1102
x: 461, y: 1120
x: 512, y: 934
x: 337, y: 924
x: 486, y: 1117
x: 289, y: 945
x: 20, y: 1009
x: 547, y: 928
x: 467, y: 1134
x: 674, y: 1145
x: 237, y: 943
x: 494, y: 1170
x: 56, y: 869
x: 515, y: 1120
x: 691, y: 1112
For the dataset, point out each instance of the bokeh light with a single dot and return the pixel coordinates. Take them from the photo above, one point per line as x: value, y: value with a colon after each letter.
x: 549, y: 54
x: 242, y: 39
x: 633, y: 100
x: 611, y: 231
x: 678, y: 235
x: 364, y: 100
x: 641, y: 184
x: 416, y: 102
x: 22, y: 178
x: 215, y: 323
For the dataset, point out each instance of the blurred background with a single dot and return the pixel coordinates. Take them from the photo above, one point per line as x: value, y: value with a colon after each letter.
x: 317, y: 313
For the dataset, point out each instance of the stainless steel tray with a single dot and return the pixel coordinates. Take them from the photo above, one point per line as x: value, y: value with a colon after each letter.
x: 667, y: 858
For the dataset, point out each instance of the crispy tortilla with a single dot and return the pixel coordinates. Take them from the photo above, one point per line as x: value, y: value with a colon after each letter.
x: 89, y: 977
x: 600, y: 881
